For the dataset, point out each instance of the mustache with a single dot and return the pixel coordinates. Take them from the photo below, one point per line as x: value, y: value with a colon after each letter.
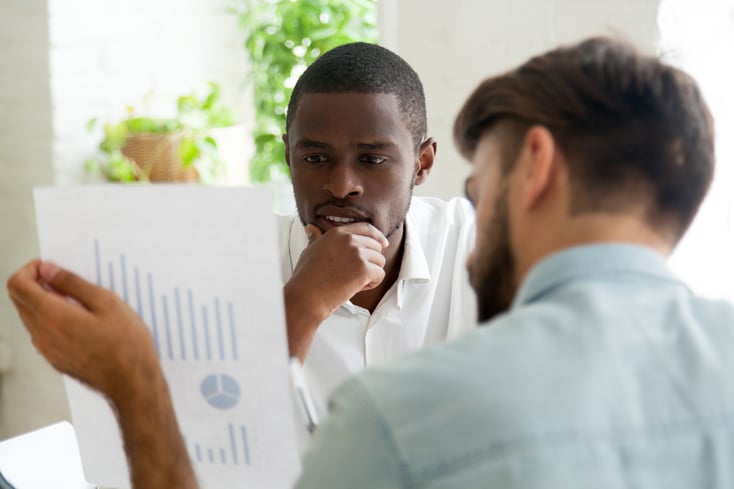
x: 341, y: 203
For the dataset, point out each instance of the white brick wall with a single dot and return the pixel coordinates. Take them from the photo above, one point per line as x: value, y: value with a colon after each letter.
x: 61, y: 63
x: 454, y: 45
x: 30, y: 396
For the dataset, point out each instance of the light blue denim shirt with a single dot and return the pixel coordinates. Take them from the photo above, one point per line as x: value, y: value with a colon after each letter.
x: 607, y: 372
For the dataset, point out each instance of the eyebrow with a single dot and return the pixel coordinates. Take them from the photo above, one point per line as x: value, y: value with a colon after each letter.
x: 310, y: 143
x: 376, y: 146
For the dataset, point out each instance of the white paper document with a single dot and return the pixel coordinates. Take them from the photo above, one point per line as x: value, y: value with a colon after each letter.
x: 200, y: 265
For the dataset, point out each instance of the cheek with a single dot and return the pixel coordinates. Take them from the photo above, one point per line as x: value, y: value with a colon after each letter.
x: 484, y: 215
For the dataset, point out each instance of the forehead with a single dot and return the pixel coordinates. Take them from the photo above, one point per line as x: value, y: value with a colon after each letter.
x: 358, y: 116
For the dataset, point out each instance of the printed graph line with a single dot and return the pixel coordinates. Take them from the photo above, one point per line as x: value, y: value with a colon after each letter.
x: 207, y: 341
x: 192, y: 318
x: 153, y: 322
x: 232, y: 330
x: 179, y: 333
x: 245, y: 445
x: 167, y: 324
x: 219, y: 328
x: 138, y: 298
x: 180, y: 324
x: 233, y: 444
x: 112, y: 276
x: 123, y: 269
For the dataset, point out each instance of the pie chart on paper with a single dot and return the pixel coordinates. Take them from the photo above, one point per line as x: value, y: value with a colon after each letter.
x: 220, y: 390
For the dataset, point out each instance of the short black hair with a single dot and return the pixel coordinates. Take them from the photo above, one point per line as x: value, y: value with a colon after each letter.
x: 630, y: 126
x: 365, y: 68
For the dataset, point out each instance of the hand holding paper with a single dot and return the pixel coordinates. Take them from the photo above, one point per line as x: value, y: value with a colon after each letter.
x: 95, y: 338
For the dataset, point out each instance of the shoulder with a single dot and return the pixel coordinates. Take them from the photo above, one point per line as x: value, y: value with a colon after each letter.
x: 442, y: 223
x: 425, y: 210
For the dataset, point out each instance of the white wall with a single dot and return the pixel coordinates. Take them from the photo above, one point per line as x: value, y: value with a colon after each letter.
x: 454, y: 45
x: 31, y: 395
x: 61, y: 63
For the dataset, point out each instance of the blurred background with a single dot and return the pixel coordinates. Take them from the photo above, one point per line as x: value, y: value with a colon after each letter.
x: 85, y: 84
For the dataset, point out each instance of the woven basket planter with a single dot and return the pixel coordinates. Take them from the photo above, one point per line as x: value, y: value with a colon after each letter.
x: 157, y: 156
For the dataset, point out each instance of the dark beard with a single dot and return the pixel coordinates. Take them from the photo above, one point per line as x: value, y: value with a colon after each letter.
x: 494, y: 279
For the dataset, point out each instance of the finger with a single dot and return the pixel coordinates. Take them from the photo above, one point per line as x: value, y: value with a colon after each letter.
x: 374, y: 257
x: 367, y: 242
x: 93, y: 297
x: 313, y: 232
x: 377, y: 275
x: 368, y: 230
x: 39, y: 307
x: 24, y: 284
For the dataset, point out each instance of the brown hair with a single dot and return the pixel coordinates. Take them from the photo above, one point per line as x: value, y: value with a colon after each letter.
x: 630, y: 126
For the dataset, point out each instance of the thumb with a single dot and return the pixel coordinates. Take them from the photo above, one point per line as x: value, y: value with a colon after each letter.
x: 72, y: 285
x: 313, y: 232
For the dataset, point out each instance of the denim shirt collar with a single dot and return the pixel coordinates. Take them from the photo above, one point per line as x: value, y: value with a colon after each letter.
x: 580, y: 262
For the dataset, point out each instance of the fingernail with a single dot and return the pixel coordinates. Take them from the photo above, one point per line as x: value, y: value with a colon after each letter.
x: 48, y: 271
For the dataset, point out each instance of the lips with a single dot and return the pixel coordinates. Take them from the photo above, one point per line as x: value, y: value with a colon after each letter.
x: 340, y: 216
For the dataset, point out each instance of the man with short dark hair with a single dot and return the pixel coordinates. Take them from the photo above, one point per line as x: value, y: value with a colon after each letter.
x: 370, y: 271
x: 599, y: 368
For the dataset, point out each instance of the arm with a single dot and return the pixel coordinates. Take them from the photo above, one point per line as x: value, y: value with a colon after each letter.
x: 332, y: 269
x: 100, y: 341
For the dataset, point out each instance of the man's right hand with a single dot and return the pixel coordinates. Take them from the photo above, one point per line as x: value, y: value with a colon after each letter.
x: 334, y: 267
x: 87, y: 332
x: 83, y: 330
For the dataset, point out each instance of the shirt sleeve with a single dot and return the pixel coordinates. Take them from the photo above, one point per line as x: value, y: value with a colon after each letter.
x: 353, y: 447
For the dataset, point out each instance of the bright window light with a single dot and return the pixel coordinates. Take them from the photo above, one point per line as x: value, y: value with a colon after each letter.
x: 699, y: 38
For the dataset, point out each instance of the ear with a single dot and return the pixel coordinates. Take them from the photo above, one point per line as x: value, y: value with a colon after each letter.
x: 426, y: 157
x: 538, y: 164
x: 284, y: 137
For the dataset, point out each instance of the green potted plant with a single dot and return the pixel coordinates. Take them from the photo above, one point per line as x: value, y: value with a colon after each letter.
x: 182, y: 148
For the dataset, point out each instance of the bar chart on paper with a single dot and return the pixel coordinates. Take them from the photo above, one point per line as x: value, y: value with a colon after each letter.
x: 185, y: 329
x: 208, y: 290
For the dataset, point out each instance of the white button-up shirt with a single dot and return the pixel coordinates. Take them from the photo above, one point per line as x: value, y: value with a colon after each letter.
x: 430, y: 302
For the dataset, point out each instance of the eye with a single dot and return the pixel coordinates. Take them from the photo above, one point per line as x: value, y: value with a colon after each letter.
x: 373, y: 159
x: 314, y: 159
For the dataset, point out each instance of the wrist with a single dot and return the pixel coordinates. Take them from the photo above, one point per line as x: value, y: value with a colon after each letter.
x: 303, y: 315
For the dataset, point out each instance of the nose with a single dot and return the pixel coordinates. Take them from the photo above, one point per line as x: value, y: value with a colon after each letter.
x: 343, y: 181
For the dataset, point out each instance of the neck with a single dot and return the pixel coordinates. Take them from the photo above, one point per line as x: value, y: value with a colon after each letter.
x: 369, y: 299
x: 591, y: 229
